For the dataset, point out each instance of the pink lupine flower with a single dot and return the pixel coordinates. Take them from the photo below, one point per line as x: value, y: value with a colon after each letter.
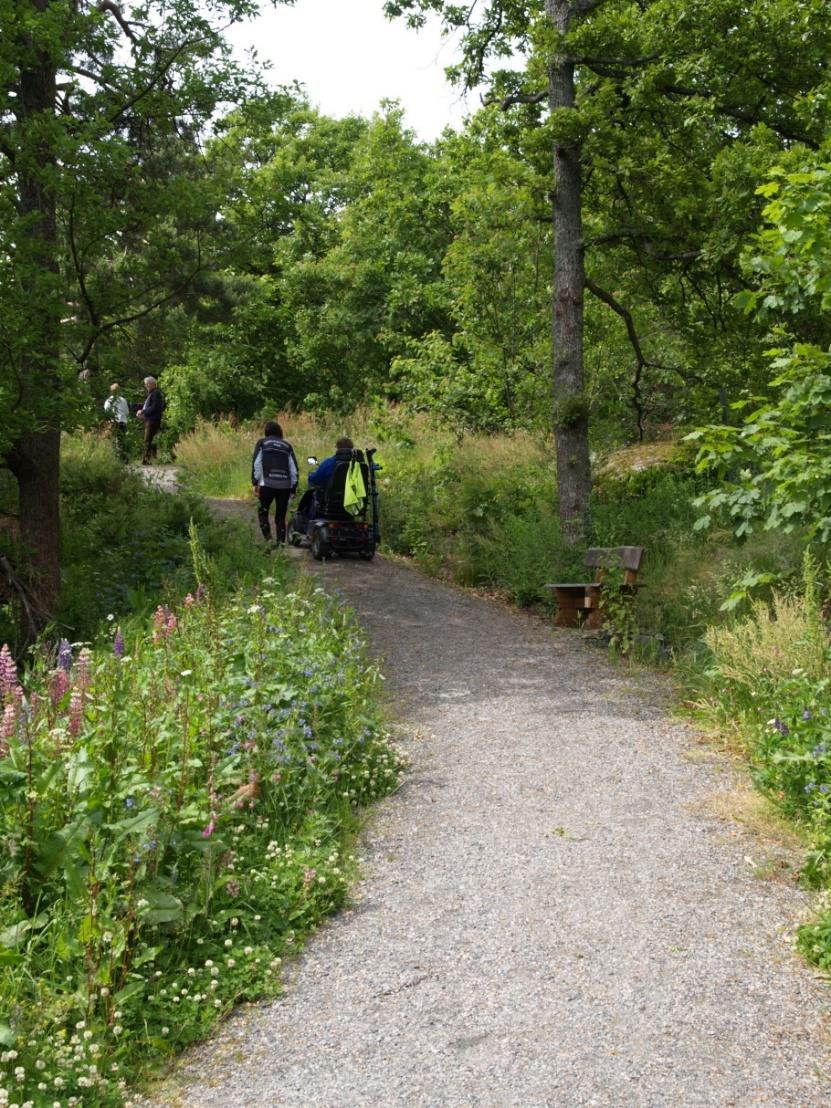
x: 18, y: 695
x: 171, y: 624
x: 209, y: 830
x: 58, y: 687
x: 76, y: 711
x: 159, y: 618
x: 8, y: 671
x: 200, y: 592
x: 9, y: 724
x: 84, y: 669
x: 189, y: 601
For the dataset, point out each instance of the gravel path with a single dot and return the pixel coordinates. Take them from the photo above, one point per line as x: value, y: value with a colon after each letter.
x: 550, y: 914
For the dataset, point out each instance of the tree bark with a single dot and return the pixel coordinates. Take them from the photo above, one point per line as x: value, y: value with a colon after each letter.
x: 570, y: 409
x: 35, y: 457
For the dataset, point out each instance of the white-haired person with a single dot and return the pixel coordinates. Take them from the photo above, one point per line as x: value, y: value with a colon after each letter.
x: 151, y: 412
x: 118, y: 411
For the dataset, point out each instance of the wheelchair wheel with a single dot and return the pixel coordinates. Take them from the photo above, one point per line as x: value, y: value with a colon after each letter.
x: 320, y: 547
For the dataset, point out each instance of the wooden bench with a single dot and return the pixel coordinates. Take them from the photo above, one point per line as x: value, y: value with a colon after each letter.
x: 579, y: 605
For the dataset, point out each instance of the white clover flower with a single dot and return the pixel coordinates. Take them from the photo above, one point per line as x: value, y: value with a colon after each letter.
x: 105, y: 990
x: 40, y: 1064
x: 191, y: 971
x: 231, y: 962
x: 214, y: 971
x: 19, y: 1072
x: 142, y: 904
x: 248, y: 950
x: 217, y: 1003
x: 208, y: 963
x: 229, y: 942
x: 165, y: 1030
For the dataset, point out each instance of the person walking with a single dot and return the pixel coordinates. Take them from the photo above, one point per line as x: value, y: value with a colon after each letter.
x: 151, y: 412
x: 118, y: 411
x: 274, y: 475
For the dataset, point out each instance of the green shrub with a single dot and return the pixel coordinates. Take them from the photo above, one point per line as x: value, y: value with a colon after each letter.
x: 175, y: 809
x: 124, y: 544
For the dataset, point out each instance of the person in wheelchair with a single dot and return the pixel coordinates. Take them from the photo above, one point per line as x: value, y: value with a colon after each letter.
x: 311, y: 501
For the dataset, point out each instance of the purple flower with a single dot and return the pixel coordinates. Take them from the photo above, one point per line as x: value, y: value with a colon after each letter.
x: 781, y: 727
x: 65, y: 655
x: 806, y: 714
x: 118, y: 644
x: 824, y: 788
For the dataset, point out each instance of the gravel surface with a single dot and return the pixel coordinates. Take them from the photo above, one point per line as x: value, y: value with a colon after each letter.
x: 550, y: 914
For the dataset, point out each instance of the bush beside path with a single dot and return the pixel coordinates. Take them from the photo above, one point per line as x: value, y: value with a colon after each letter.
x: 551, y: 913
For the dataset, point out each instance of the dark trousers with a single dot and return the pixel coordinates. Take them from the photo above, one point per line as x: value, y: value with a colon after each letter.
x: 151, y: 429
x: 280, y: 499
x: 120, y: 438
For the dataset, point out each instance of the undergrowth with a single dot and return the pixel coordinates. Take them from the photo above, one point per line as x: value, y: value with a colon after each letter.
x: 176, y: 806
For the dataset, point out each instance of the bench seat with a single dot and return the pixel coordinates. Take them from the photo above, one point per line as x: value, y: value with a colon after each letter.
x: 579, y: 604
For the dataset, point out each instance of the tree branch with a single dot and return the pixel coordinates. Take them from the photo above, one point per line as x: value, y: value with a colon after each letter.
x: 118, y: 15
x: 640, y: 361
x: 739, y: 114
x: 506, y: 102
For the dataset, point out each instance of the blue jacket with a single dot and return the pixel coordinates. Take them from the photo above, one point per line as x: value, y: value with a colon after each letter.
x: 324, y: 471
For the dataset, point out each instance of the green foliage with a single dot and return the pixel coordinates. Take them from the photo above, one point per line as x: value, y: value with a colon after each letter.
x: 125, y: 544
x: 773, y: 468
x: 176, y: 811
x: 767, y: 679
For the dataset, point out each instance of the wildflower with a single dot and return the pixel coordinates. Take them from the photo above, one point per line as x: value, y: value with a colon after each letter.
x: 781, y: 727
x: 209, y: 830
x: 825, y: 788
x: 84, y: 667
x: 9, y: 724
x: 118, y: 644
x: 189, y: 601
x: 165, y: 1030
x: 229, y: 942
x: 76, y: 711
x: 233, y: 888
x: 8, y: 670
x: 171, y: 624
x: 806, y: 714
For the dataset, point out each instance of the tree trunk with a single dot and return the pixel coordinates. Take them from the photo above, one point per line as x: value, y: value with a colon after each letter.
x: 570, y: 409
x: 35, y: 457
x: 35, y: 462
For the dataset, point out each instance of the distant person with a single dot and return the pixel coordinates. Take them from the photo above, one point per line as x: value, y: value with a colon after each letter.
x: 151, y: 412
x: 118, y: 411
x: 274, y: 477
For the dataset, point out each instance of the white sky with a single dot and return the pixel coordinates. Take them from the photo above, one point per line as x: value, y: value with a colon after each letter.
x: 350, y: 57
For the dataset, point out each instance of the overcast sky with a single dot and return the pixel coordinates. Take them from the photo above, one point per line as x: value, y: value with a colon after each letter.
x: 350, y: 57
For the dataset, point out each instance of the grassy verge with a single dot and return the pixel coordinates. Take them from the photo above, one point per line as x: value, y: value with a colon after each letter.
x: 764, y: 683
x: 176, y: 805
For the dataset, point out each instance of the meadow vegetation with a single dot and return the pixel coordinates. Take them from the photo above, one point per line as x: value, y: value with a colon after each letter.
x: 177, y: 801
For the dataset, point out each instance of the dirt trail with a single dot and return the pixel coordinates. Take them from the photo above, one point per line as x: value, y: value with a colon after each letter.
x: 550, y: 914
